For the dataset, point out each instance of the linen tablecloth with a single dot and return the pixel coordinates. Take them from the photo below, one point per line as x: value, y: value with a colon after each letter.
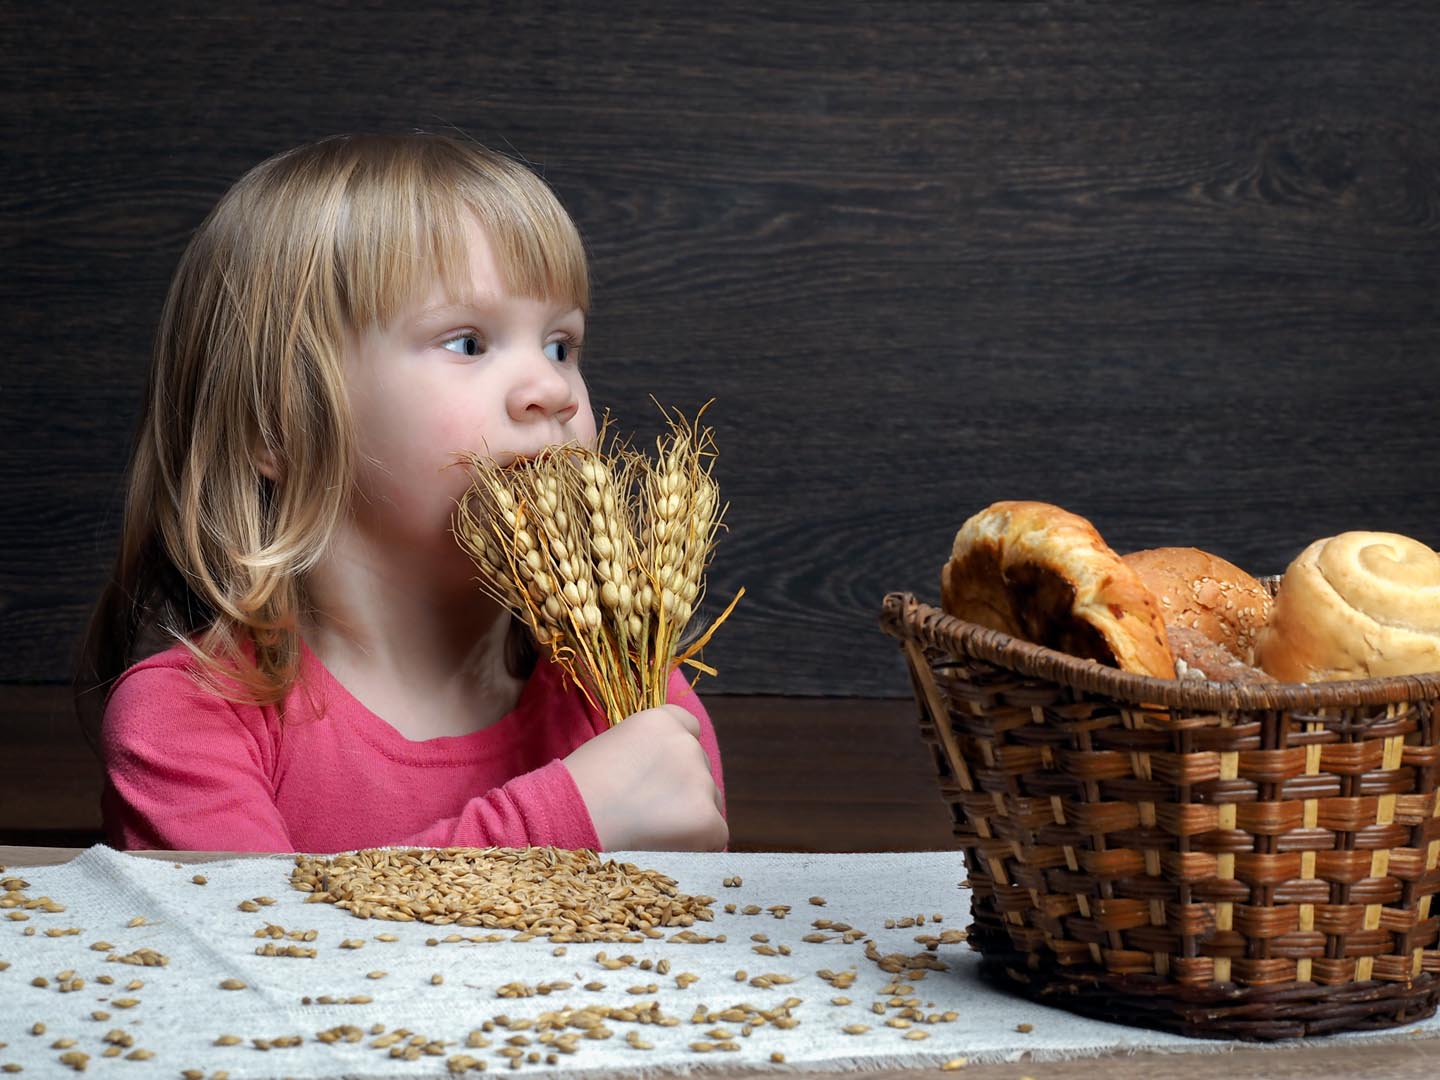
x: 428, y: 999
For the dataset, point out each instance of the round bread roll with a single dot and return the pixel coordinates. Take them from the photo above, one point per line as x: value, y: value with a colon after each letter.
x: 1044, y: 575
x: 1198, y: 656
x: 1354, y: 606
x: 1206, y: 593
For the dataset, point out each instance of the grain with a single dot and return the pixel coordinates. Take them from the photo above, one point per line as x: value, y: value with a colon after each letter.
x: 572, y: 893
x: 232, y: 984
x: 76, y: 1060
x: 200, y: 879
x: 602, y: 554
x: 1025, y: 1029
x: 141, y: 958
x: 953, y: 1064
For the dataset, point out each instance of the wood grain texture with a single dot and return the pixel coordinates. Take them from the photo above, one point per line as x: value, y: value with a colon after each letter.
x: 1174, y: 267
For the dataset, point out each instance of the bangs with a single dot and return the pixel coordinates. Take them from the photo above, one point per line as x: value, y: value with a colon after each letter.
x: 404, y: 229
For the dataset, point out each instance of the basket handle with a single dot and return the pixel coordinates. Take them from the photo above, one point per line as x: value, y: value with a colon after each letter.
x: 935, y: 706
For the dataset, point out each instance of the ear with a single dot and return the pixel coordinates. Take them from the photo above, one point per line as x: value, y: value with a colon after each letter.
x: 266, y: 465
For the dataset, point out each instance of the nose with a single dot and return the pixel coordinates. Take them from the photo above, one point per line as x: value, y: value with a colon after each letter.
x: 540, y: 390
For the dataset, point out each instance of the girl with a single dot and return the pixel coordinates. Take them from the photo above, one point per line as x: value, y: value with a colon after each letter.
x: 351, y: 315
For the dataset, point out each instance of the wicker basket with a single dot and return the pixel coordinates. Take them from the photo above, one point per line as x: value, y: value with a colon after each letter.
x: 1220, y: 861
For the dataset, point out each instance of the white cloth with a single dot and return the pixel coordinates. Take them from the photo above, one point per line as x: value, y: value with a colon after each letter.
x: 182, y: 1010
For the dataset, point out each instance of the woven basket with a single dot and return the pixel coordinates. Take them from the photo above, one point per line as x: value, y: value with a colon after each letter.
x: 1220, y: 861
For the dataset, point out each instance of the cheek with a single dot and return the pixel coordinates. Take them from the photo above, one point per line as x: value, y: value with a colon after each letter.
x: 584, y: 425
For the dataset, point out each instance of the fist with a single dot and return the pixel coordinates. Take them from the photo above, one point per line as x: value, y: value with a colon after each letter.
x: 647, y: 784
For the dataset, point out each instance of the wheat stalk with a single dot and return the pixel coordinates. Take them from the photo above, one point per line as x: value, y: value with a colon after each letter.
x: 602, y: 553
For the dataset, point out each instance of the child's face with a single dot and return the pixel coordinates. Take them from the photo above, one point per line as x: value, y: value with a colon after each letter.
x: 495, y: 373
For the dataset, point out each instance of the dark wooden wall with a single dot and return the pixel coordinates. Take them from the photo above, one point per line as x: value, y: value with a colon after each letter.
x: 1174, y: 266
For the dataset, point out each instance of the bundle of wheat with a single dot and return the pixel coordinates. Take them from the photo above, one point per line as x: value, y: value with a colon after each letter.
x: 602, y: 552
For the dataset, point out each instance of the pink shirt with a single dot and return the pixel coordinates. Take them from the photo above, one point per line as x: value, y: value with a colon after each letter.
x: 188, y: 770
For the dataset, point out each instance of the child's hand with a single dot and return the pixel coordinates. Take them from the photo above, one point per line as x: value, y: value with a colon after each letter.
x: 647, y: 785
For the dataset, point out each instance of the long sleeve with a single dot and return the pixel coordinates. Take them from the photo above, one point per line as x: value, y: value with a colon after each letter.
x: 184, y: 771
x: 189, y: 771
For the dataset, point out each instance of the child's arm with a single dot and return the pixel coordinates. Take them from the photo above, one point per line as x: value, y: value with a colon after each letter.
x: 190, y: 771
x: 654, y: 782
x: 184, y: 772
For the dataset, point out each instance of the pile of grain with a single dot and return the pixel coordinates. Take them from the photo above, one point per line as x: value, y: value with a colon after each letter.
x: 565, y: 895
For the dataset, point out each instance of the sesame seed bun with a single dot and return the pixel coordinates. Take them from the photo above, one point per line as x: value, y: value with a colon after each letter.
x: 1204, y: 592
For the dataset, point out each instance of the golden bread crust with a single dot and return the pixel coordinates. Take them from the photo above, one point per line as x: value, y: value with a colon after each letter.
x: 1045, y: 575
x: 1205, y: 592
x: 1354, y: 606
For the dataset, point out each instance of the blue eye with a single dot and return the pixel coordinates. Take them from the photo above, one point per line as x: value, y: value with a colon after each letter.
x: 465, y: 345
x: 562, y: 351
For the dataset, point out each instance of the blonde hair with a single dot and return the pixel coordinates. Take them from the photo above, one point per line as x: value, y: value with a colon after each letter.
x: 310, y: 247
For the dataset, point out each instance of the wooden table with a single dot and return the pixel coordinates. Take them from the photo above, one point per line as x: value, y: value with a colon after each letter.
x: 1404, y: 1060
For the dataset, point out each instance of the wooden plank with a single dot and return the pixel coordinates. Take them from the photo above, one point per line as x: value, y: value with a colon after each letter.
x: 801, y: 774
x: 1171, y: 267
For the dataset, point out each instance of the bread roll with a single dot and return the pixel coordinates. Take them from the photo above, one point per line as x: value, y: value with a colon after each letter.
x: 1354, y: 606
x: 1206, y: 593
x: 1044, y: 575
x: 1199, y: 657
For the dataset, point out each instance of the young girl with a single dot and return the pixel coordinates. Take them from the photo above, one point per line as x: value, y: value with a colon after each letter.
x: 349, y: 317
